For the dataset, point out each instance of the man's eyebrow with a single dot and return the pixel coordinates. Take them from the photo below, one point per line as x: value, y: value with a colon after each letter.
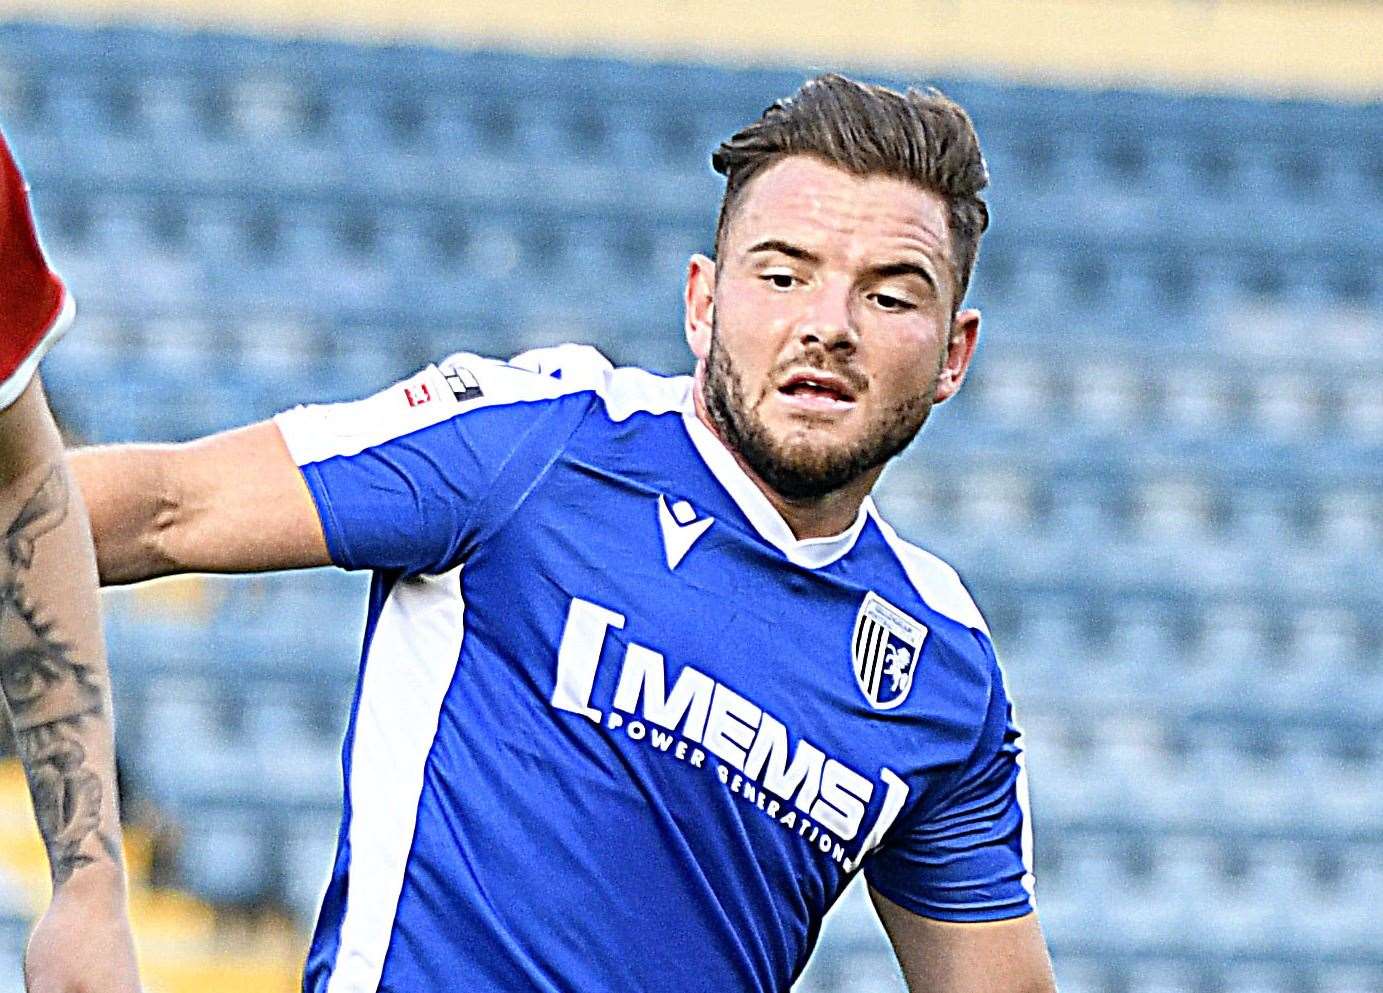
x: 890, y: 269
x: 886, y: 270
x: 783, y: 248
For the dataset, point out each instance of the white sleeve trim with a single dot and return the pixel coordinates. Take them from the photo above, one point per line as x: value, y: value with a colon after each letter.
x: 459, y: 383
x: 465, y: 382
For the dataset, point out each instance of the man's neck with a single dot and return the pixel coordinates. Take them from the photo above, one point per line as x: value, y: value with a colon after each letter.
x: 820, y: 517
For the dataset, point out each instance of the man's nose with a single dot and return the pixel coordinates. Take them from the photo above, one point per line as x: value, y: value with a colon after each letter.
x: 830, y: 322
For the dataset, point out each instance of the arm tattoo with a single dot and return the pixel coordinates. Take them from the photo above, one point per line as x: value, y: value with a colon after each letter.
x: 51, y: 694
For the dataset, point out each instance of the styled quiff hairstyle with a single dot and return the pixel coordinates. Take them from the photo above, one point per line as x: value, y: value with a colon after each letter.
x: 921, y: 136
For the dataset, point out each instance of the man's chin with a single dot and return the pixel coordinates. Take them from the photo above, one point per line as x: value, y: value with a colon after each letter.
x: 804, y: 470
x: 808, y: 441
x: 786, y: 415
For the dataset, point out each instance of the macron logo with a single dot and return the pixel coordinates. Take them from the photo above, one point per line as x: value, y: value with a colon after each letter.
x: 680, y: 529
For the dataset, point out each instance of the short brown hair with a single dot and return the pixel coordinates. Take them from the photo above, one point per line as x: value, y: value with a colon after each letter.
x: 921, y: 136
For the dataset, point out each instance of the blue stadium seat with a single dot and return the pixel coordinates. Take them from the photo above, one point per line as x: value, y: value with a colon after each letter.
x: 1349, y: 979
x: 1076, y: 975
x: 308, y: 853
x: 227, y: 858
x: 1256, y: 978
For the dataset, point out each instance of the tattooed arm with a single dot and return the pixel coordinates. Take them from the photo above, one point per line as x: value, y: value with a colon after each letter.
x: 54, y: 682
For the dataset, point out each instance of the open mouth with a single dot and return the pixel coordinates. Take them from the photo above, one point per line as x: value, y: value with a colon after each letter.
x: 819, y: 389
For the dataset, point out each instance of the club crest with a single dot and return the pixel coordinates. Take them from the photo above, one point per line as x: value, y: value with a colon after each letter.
x: 884, y: 651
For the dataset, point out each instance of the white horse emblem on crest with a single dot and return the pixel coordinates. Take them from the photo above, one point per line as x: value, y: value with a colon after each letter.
x: 885, y: 648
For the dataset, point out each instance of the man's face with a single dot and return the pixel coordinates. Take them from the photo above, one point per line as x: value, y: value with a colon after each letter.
x: 831, y: 335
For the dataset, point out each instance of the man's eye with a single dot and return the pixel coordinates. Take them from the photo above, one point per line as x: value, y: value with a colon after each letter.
x: 887, y: 302
x: 780, y: 280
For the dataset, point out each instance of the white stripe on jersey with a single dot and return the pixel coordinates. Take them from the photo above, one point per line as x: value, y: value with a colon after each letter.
x: 1021, y: 788
x: 941, y: 589
x: 936, y: 582
x: 318, y: 432
x: 630, y: 391
x: 409, y: 665
x: 321, y: 431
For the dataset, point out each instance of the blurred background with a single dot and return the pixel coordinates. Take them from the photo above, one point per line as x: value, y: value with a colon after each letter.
x: 1164, y: 482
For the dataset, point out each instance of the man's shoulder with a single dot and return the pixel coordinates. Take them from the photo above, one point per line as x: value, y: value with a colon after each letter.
x: 934, y: 580
x: 566, y: 369
x: 465, y: 383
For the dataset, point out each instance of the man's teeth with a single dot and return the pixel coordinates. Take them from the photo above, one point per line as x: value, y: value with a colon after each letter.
x: 808, y: 386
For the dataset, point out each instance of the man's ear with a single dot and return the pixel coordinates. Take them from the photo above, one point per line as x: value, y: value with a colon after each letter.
x: 960, y: 349
x: 699, y: 300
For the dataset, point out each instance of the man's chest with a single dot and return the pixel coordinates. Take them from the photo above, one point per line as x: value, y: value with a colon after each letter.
x: 660, y: 642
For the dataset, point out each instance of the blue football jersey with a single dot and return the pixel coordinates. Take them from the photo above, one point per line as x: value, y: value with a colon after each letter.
x: 615, y: 727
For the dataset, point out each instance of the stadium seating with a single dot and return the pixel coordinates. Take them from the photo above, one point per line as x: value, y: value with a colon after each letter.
x: 1163, y: 482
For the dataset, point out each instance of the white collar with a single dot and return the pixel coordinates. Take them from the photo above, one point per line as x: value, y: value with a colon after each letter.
x: 810, y: 553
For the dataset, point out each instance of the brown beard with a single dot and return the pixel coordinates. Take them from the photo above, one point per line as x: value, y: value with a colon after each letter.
x: 800, y: 471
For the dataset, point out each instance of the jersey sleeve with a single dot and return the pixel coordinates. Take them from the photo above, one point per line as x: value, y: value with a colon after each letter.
x: 406, y: 479
x: 967, y: 856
